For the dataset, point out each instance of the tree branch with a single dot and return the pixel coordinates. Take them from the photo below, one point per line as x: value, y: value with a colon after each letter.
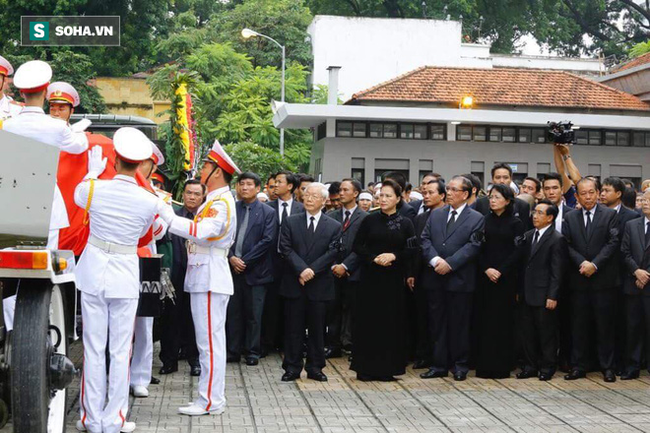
x: 583, y: 24
x: 631, y: 5
x: 355, y: 7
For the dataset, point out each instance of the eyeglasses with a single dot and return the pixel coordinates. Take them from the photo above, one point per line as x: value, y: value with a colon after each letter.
x: 311, y: 196
x: 453, y: 189
x: 495, y: 197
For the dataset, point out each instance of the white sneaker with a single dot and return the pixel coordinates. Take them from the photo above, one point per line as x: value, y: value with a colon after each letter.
x: 140, y: 391
x: 128, y: 427
x: 194, y: 410
x: 81, y: 426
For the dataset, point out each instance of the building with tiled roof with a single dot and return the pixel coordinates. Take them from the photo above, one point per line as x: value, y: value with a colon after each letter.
x: 632, y: 77
x: 416, y: 123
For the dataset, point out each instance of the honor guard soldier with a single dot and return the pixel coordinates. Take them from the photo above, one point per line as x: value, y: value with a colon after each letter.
x: 120, y: 212
x: 8, y: 107
x: 33, y: 78
x: 208, y: 278
x: 142, y: 361
x: 63, y: 99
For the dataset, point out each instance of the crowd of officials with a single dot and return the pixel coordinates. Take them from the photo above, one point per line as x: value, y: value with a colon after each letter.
x: 449, y: 275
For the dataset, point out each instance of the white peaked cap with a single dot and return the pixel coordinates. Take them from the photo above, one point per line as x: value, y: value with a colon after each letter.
x: 5, y: 67
x: 33, y: 76
x: 222, y: 159
x: 132, y: 145
x: 61, y: 92
x: 157, y: 156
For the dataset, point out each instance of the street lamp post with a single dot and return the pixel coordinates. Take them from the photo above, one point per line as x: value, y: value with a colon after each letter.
x: 247, y: 34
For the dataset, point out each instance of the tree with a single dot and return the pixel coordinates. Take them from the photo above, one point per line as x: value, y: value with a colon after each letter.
x: 640, y: 49
x: 252, y: 157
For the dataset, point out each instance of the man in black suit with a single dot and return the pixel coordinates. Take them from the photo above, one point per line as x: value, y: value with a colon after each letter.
x: 250, y: 262
x: 285, y: 206
x: 310, y: 244
x: 611, y: 195
x: 593, y: 239
x: 419, y: 205
x: 544, y: 257
x: 552, y: 186
x: 177, y: 326
x: 347, y: 270
x: 434, y: 197
x: 636, y: 254
x: 502, y: 174
x: 451, y: 242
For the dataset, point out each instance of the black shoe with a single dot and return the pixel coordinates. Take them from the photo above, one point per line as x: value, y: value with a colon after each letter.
x: 431, y: 374
x: 350, y: 358
x: 420, y: 364
x: 609, y: 376
x: 544, y: 377
x: 290, y: 377
x: 264, y: 353
x: 182, y: 355
x: 364, y: 377
x: 460, y: 376
x: 387, y: 379
x: 332, y: 353
x: 630, y: 375
x: 318, y: 376
x: 168, y: 369
x: 195, y: 370
x: 525, y: 374
x: 575, y: 374
x: 252, y: 361
x: 154, y: 380
x: 233, y: 358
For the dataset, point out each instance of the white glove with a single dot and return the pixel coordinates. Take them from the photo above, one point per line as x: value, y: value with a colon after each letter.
x: 166, y: 212
x: 81, y: 125
x: 96, y: 165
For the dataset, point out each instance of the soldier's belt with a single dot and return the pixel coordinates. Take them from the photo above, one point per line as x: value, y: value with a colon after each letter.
x: 193, y: 248
x: 112, y: 248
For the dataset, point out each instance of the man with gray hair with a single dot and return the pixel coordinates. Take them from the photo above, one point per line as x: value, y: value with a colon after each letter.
x: 309, y: 244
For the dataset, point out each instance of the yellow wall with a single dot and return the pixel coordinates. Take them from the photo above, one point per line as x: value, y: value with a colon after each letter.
x: 130, y: 96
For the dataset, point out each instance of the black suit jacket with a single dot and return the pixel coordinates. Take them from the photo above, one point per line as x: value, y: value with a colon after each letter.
x: 261, y: 239
x: 599, y: 248
x: 521, y: 209
x: 418, y: 261
x: 296, y: 209
x: 633, y: 249
x: 416, y: 204
x: 346, y: 256
x: 318, y: 255
x: 406, y: 210
x: 459, y: 248
x: 179, y: 255
x: 543, y: 266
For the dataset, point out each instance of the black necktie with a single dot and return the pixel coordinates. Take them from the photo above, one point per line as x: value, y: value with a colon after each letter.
x: 310, y: 230
x: 346, y: 221
x: 588, y: 226
x: 535, y: 239
x: 284, y: 212
x: 452, y: 220
x: 647, y: 235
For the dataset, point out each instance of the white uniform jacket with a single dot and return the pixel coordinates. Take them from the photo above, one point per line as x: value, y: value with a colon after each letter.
x: 32, y: 122
x: 211, y: 235
x: 120, y: 212
x: 9, y: 108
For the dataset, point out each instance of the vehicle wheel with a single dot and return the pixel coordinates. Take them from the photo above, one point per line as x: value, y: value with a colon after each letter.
x: 39, y: 332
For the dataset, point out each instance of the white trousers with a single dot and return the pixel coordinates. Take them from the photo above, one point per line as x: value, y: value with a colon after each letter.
x: 142, y: 361
x: 105, y: 319
x: 209, y: 315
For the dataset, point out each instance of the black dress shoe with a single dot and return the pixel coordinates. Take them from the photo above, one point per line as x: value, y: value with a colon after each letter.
x: 318, y: 376
x: 290, y: 377
x: 420, y: 364
x: 252, y: 361
x: 575, y: 374
x: 364, y: 377
x: 195, y: 370
x: 168, y: 369
x: 433, y: 374
x: 544, y: 377
x: 460, y: 376
x: 525, y: 374
x: 333, y: 353
x: 630, y: 375
x: 233, y: 358
x: 154, y: 380
x: 609, y: 376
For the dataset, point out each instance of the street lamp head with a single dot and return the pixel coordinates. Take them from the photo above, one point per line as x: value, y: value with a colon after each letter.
x: 248, y: 33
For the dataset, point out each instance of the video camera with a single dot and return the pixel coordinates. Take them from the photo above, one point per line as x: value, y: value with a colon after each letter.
x: 561, y: 132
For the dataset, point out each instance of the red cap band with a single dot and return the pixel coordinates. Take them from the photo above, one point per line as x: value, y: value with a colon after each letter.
x: 35, y: 89
x: 4, y: 71
x: 221, y: 162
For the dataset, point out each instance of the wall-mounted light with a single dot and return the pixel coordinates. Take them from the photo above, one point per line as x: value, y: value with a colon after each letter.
x: 466, y: 102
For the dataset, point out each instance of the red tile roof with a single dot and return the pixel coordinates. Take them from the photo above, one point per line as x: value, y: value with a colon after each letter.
x: 508, y: 87
x: 637, y: 61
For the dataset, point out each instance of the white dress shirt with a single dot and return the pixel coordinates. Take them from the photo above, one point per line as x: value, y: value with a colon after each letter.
x: 281, y: 208
x: 591, y: 215
x: 316, y: 219
x: 459, y: 211
x: 560, y: 217
x: 645, y: 225
x: 541, y: 232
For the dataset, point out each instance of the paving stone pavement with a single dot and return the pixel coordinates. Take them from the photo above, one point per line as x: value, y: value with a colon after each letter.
x: 258, y: 402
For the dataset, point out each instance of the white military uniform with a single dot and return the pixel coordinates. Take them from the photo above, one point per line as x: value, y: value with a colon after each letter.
x: 108, y: 275
x: 142, y: 360
x: 8, y: 107
x: 209, y: 281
